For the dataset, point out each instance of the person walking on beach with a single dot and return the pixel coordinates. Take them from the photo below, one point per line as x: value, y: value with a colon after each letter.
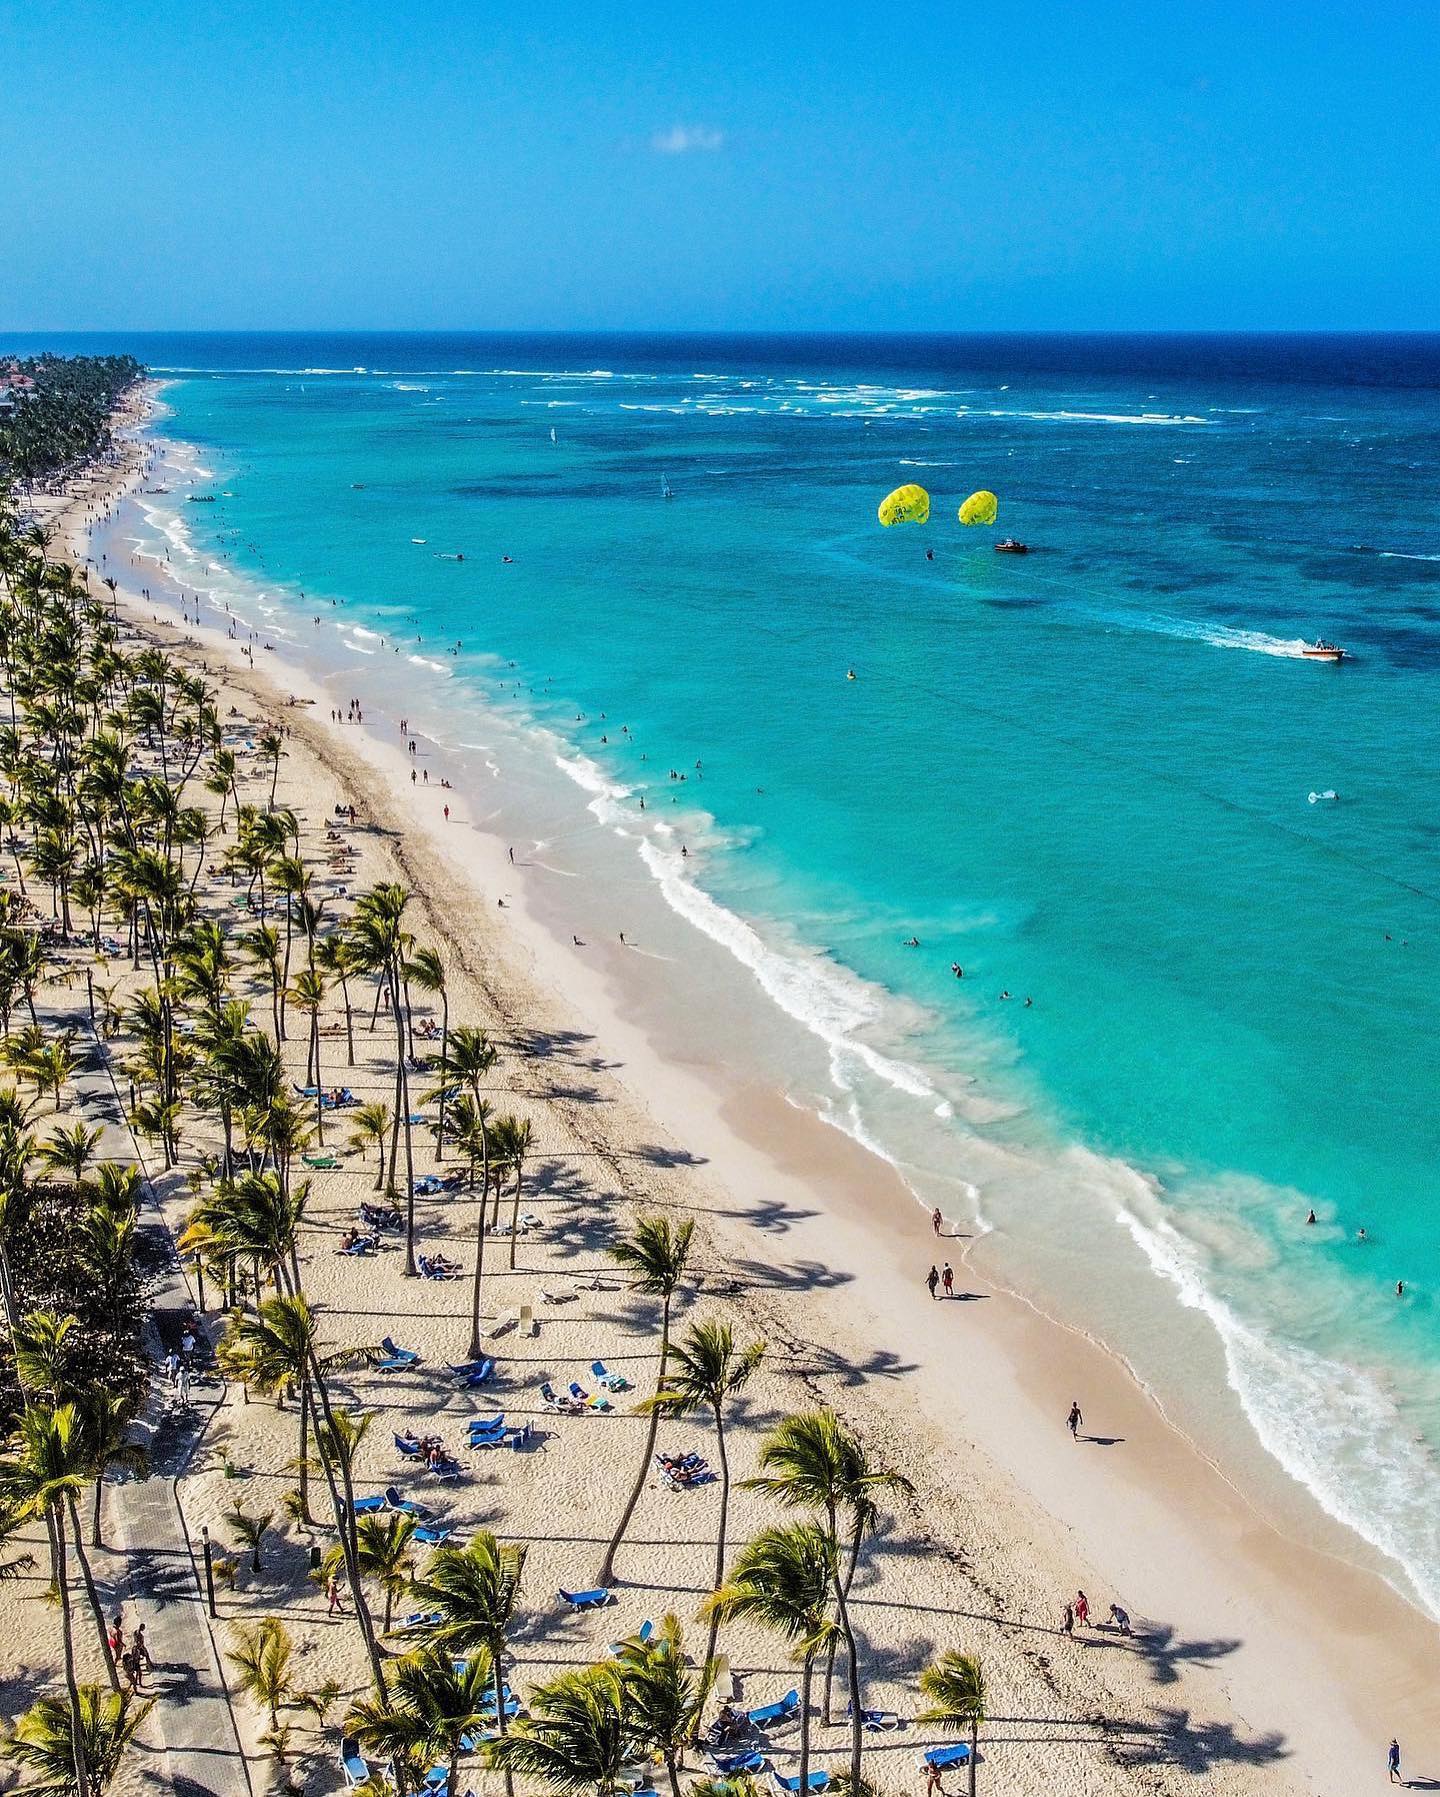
x: 1075, y: 1422
x: 140, y: 1650
x: 933, y: 1786
x: 1067, y: 1621
x: 1082, y: 1609
x: 1120, y: 1618
x: 935, y: 1219
x: 932, y: 1279
x: 947, y: 1279
x: 183, y: 1386
x: 332, y: 1593
x: 1392, y: 1762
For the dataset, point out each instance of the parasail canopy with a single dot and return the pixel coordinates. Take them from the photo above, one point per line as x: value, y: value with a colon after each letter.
x: 980, y: 508
x: 906, y: 505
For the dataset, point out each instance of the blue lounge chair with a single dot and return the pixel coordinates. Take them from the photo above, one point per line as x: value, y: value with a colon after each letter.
x: 487, y: 1425
x: 432, y: 1537
x: 770, y: 1715
x: 819, y: 1780
x: 477, y: 1375
x: 520, y: 1438
x: 941, y: 1757
x: 367, y: 1506
x: 408, y: 1355
x: 606, y: 1380
x: 727, y: 1765
x: 352, y: 1764
x: 581, y: 1396
x: 408, y: 1505
x: 464, y: 1368
x: 410, y: 1450
x: 419, y: 1619
x: 591, y: 1600
x: 392, y: 1365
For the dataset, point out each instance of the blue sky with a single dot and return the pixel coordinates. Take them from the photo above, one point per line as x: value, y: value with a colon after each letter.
x: 428, y: 164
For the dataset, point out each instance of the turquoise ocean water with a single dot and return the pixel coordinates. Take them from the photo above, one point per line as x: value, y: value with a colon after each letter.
x: 1083, y: 775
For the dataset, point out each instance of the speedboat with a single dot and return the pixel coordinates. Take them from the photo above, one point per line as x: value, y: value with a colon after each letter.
x: 1329, y: 795
x: 1320, y: 650
x: 1012, y: 546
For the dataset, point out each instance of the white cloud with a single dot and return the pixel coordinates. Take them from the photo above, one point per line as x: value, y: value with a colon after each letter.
x: 680, y: 140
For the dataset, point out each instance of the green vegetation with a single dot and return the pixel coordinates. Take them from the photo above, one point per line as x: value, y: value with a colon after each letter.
x: 55, y: 411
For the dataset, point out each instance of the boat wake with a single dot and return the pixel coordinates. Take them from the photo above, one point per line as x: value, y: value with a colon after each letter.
x: 1216, y: 636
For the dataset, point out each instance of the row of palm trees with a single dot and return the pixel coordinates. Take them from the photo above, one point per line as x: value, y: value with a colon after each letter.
x: 58, y: 410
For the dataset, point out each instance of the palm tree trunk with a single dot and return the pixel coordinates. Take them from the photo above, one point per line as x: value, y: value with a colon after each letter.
x: 852, y: 1655
x: 319, y: 1089
x: 92, y: 1596
x: 857, y: 1535
x: 515, y: 1211
x: 608, y: 1565
x: 444, y: 1068
x: 807, y: 1676
x: 304, y: 1450
x: 343, y: 1503
x: 95, y: 1540
x: 974, y: 1749
x: 476, y: 1346
x: 724, y: 1459
x: 55, y: 1525
x: 497, y: 1658
x: 349, y: 1022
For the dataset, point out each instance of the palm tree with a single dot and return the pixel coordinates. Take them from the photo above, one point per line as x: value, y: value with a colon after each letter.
x: 426, y: 971
x: 382, y: 1545
x: 435, y: 1705
x: 469, y: 1595
x: 334, y: 956
x: 381, y: 945
x: 50, y: 1742
x: 656, y: 1252
x: 785, y: 1579
x: 262, y: 1661
x: 708, y: 1371
x: 667, y: 1695
x: 371, y: 1123
x: 50, y: 1468
x: 274, y: 1350
x: 71, y: 1150
x: 249, y: 1531
x: 814, y: 1463
x: 106, y: 1418
x: 955, y: 1685
x: 581, y: 1735
x: 307, y: 992
x: 518, y: 1137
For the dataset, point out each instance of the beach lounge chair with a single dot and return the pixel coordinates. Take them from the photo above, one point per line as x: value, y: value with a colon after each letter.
x: 943, y: 1757
x: 408, y: 1355
x: 551, y: 1400
x: 321, y: 1163
x: 398, y: 1502
x: 819, y: 1780
x: 592, y: 1600
x: 433, y: 1269
x: 729, y: 1764
x: 365, y: 1245
x: 771, y: 1715
x: 520, y: 1438
x: 608, y: 1381
x: 486, y: 1425
x: 462, y: 1369
x: 558, y: 1294
x: 367, y: 1506
x: 525, y: 1320
x: 477, y: 1375
x: 432, y: 1537
x: 393, y: 1365
x: 409, y: 1450
x: 419, y: 1619
x: 878, y: 1721
x: 351, y: 1763
x: 581, y: 1396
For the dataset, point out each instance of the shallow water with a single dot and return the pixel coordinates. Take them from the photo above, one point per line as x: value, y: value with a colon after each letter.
x: 1083, y: 775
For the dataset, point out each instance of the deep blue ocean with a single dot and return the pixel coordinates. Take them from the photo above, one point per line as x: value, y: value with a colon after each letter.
x: 1084, y: 775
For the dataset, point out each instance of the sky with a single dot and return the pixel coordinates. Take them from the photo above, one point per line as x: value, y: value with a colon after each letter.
x: 436, y: 164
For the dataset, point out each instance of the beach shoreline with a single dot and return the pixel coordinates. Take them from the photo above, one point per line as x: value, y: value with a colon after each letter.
x: 1325, y: 1654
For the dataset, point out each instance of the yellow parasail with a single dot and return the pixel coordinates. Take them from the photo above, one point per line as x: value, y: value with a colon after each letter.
x: 980, y: 508
x: 906, y: 505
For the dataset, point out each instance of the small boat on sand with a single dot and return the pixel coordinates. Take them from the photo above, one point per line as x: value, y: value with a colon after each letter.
x: 1320, y: 650
x: 1012, y: 546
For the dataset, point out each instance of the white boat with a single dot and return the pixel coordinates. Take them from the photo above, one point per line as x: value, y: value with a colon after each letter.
x: 553, y: 437
x: 1329, y: 794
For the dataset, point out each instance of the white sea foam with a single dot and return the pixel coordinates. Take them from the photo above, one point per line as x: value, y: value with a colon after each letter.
x: 1093, y: 417
x: 1217, y: 636
x: 1334, y: 1428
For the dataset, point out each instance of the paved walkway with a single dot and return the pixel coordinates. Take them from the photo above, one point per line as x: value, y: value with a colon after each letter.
x: 192, y: 1717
